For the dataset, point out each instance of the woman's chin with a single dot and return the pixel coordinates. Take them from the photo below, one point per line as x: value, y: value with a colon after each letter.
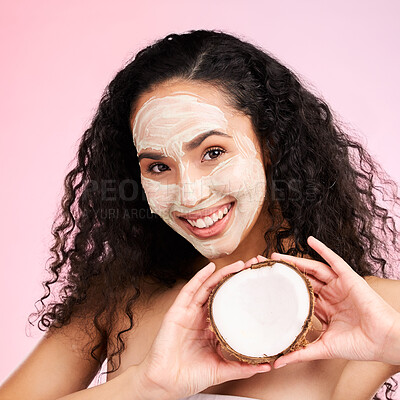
x: 213, y: 253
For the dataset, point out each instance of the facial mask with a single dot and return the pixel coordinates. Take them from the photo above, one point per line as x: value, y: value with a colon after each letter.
x: 164, y: 125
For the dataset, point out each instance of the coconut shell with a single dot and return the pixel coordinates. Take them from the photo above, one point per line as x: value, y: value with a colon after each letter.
x: 300, y: 340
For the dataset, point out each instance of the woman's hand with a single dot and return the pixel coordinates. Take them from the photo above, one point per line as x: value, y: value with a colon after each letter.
x: 185, y: 357
x: 357, y: 323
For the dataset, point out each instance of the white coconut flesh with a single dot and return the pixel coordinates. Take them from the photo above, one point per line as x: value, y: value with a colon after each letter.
x: 261, y: 312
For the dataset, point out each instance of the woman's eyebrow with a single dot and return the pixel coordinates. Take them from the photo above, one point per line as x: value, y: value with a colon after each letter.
x: 153, y: 156
x: 196, y: 142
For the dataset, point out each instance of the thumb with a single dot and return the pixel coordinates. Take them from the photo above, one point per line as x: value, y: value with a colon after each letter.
x: 314, y: 351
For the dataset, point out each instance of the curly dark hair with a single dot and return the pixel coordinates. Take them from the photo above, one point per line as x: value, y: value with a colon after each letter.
x: 320, y: 182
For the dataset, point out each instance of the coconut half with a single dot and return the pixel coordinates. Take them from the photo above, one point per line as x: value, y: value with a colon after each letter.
x: 260, y: 313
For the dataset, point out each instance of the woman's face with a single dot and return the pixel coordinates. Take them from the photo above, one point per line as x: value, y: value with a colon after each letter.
x: 201, y: 164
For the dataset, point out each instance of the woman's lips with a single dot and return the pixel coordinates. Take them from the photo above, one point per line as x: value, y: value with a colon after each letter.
x: 214, y: 229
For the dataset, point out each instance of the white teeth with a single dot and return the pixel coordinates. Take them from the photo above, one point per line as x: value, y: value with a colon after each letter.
x: 200, y: 223
x: 209, y: 220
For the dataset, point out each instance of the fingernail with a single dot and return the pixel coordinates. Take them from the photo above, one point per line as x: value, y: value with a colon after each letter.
x: 239, y: 263
x: 210, y: 265
x: 280, y: 366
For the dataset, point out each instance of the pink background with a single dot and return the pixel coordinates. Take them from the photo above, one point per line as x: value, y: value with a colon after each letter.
x: 57, y: 57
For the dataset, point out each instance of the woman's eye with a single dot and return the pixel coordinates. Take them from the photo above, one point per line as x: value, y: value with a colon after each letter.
x: 213, y: 153
x: 157, y: 168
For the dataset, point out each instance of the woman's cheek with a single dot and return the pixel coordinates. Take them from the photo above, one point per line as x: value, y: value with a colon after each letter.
x: 160, y: 196
x: 242, y: 178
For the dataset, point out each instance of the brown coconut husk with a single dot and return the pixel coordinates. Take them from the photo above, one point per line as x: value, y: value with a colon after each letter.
x: 297, y: 344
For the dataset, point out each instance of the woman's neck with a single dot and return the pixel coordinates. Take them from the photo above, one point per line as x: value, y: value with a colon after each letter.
x: 252, y: 245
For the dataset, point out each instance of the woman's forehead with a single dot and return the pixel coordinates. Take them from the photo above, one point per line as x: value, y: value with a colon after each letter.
x: 178, y: 112
x: 174, y: 114
x: 178, y: 117
x: 205, y: 93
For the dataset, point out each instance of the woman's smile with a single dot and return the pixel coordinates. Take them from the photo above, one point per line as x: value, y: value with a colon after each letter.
x: 210, y: 222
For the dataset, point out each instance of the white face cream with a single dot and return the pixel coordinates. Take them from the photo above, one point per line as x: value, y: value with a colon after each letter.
x: 165, y: 125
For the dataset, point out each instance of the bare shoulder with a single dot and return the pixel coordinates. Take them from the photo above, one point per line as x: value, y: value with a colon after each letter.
x: 367, y: 376
x: 152, y: 298
x: 60, y: 364
x: 146, y: 313
x: 388, y: 289
x: 151, y: 292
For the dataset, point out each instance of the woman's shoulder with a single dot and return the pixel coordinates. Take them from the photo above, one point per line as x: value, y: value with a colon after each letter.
x: 388, y: 289
x: 147, y: 298
x: 59, y: 364
x: 151, y: 290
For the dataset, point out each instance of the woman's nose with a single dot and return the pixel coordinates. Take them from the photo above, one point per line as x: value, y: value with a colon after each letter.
x: 193, y: 193
x: 193, y: 188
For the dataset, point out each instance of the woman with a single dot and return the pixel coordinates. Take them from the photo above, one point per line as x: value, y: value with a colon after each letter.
x: 207, y: 151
